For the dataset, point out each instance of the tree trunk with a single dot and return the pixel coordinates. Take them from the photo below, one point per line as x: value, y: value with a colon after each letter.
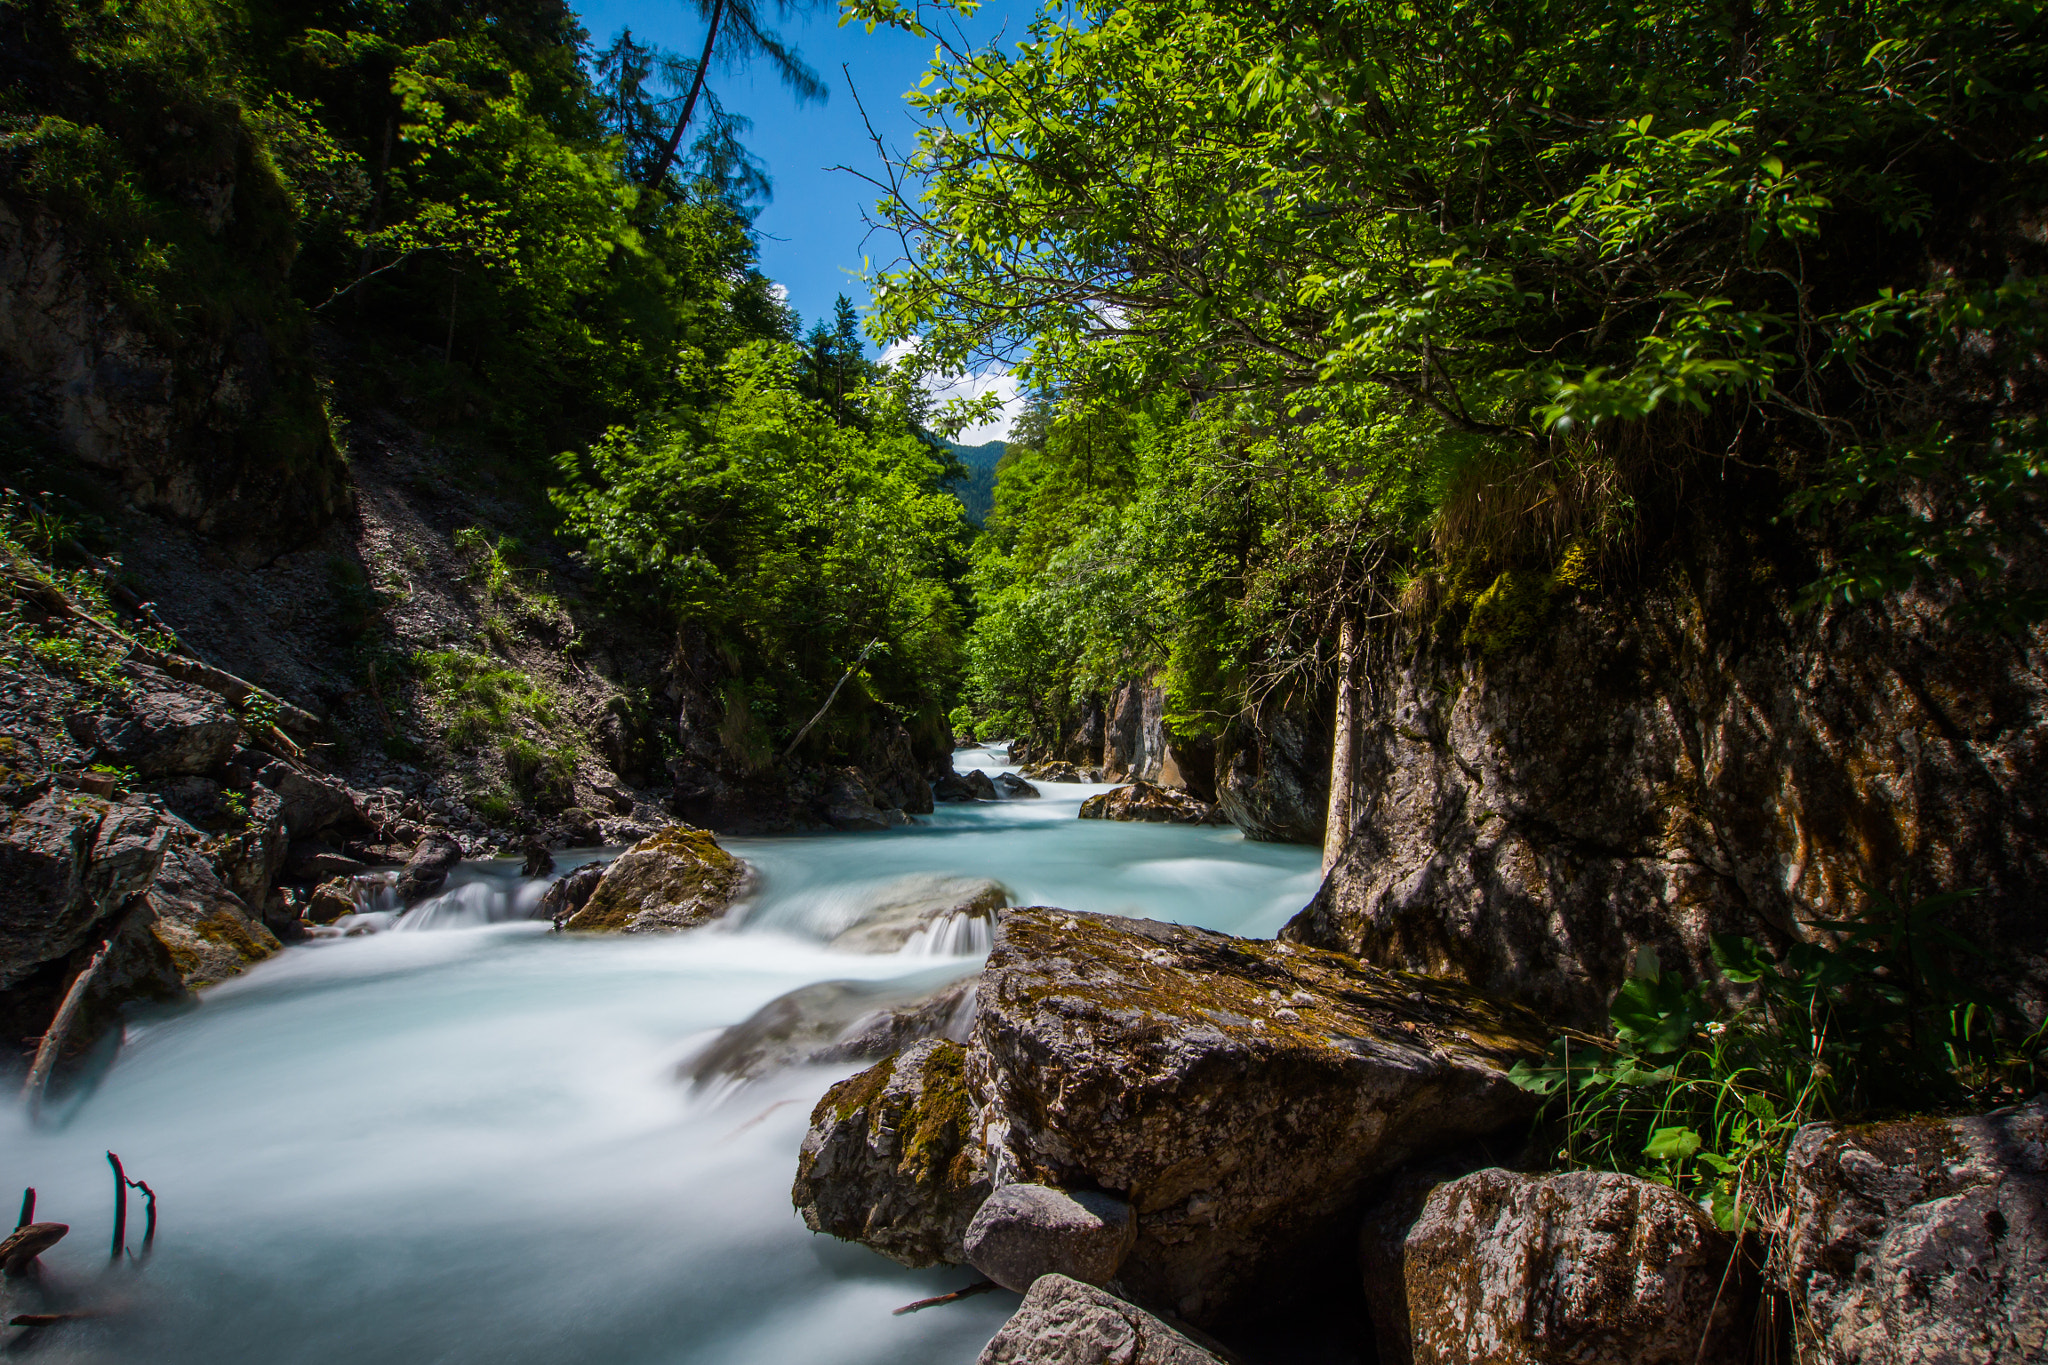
x: 675, y: 139
x: 1343, y: 745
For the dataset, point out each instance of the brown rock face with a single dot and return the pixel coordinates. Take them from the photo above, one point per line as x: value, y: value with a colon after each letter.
x: 676, y: 878
x: 1922, y: 1240
x: 1587, y: 1268
x: 1151, y: 804
x: 1240, y: 1093
x: 1704, y: 761
x: 891, y: 1161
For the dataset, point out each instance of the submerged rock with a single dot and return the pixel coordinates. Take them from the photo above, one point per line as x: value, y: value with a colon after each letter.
x: 1176, y: 1066
x: 921, y: 904
x: 1585, y: 1268
x: 676, y: 878
x: 834, y: 1021
x: 1922, y: 1240
x: 891, y: 1160
x: 1065, y: 1322
x: 1024, y: 1231
x: 1145, y: 801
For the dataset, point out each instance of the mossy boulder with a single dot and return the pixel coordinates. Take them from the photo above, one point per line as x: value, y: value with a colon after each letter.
x: 1152, y: 804
x: 1240, y: 1093
x: 892, y: 1160
x: 675, y: 878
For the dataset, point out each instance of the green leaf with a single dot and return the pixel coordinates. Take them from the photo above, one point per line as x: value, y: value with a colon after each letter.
x: 1671, y: 1144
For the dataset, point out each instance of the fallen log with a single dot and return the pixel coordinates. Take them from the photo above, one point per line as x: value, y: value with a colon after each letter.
x: 52, y: 1045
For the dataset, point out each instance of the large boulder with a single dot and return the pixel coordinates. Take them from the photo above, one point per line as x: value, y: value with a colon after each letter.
x: 675, y: 878
x: 828, y: 1022
x: 1171, y: 1065
x: 937, y: 907
x: 1065, y: 1322
x: 1922, y: 1240
x: 951, y: 788
x: 891, y: 1160
x: 160, y: 732
x: 1152, y: 804
x: 850, y: 801
x: 1586, y: 1268
x: 1014, y: 787
x: 66, y: 862
x: 1024, y: 1231
x: 209, y: 932
x: 253, y: 849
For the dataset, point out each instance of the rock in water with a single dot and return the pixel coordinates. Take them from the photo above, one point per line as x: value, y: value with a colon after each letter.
x: 1242, y: 1093
x: 1922, y: 1240
x: 428, y: 868
x: 917, y: 904
x: 1587, y: 1268
x: 675, y: 878
x: 1152, y: 804
x: 952, y: 787
x: 1058, y: 771
x: 568, y: 893
x: 1065, y: 1322
x: 834, y: 1021
x: 979, y: 786
x: 891, y: 1160
x: 1013, y: 786
x: 1024, y: 1231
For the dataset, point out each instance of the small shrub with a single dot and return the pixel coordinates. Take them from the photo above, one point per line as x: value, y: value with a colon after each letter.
x: 485, y: 698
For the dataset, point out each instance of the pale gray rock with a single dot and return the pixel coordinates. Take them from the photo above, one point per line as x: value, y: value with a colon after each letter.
x: 1025, y: 1231
x: 1584, y: 1268
x: 911, y: 905
x: 835, y: 1021
x: 1065, y: 1322
x: 890, y: 1159
x: 1922, y: 1240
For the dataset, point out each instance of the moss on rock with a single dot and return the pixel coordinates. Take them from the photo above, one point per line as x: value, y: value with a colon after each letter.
x: 675, y: 878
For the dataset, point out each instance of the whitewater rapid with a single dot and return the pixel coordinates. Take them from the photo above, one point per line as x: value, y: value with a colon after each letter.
x: 470, y: 1146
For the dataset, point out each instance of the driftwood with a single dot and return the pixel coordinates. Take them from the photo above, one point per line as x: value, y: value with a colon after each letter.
x: 28, y: 1207
x: 52, y: 1045
x: 22, y: 1247
x: 978, y: 1287
x: 122, y: 1184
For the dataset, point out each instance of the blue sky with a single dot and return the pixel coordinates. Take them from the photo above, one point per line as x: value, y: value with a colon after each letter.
x: 812, y: 232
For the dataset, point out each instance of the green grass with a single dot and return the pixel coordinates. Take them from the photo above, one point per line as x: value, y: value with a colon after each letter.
x: 483, y: 698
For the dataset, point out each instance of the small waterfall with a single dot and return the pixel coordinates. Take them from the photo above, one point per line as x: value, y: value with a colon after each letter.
x: 970, y: 933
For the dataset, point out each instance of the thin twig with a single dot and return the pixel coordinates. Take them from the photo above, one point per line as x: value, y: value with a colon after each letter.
x: 978, y: 1287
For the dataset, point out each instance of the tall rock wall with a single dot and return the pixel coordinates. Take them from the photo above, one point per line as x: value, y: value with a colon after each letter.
x: 1692, y: 758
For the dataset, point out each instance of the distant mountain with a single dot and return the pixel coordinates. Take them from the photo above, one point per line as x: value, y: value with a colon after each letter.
x: 977, y: 492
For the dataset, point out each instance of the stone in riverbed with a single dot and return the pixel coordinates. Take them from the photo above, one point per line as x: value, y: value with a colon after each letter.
x: 891, y: 1161
x: 1150, y: 804
x: 1058, y: 771
x: 568, y: 893
x: 914, y: 904
x: 1242, y: 1093
x: 1013, y: 786
x: 1585, y: 1268
x: 428, y: 868
x: 834, y: 1021
x: 676, y: 878
x: 1922, y: 1240
x: 952, y: 788
x: 1024, y: 1231
x: 1065, y: 1322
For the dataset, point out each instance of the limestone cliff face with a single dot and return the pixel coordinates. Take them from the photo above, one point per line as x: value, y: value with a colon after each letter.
x: 211, y: 418
x: 1702, y: 759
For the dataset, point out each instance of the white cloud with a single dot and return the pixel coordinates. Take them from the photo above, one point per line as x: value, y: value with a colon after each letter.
x: 995, y: 379
x: 777, y: 291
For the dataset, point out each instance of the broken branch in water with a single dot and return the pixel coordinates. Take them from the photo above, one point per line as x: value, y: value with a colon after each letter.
x: 21, y: 1248
x: 28, y: 1208
x: 53, y: 1040
x: 47, y: 1319
x: 120, y: 1207
x: 978, y: 1287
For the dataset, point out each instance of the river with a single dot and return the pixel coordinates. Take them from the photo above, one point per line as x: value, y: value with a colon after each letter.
x: 468, y: 1145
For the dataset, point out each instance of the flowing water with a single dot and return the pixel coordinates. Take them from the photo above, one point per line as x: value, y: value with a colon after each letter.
x: 470, y: 1146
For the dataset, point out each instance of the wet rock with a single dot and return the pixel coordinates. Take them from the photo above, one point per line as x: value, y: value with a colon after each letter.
x: 331, y: 900
x: 921, y: 904
x: 1171, y: 1064
x: 1585, y: 1268
x: 834, y: 1021
x: 1059, y: 771
x: 308, y: 860
x: 850, y: 802
x: 1024, y: 1231
x: 1922, y: 1240
x: 160, y: 733
x: 428, y: 868
x: 1144, y: 801
x: 67, y: 861
x: 539, y: 862
x: 675, y: 878
x: 1065, y: 1322
x: 1013, y: 786
x: 890, y: 1159
x: 568, y: 894
x: 208, y: 931
x: 952, y: 787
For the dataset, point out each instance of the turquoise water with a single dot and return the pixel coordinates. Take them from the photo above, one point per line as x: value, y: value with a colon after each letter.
x: 468, y: 1146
